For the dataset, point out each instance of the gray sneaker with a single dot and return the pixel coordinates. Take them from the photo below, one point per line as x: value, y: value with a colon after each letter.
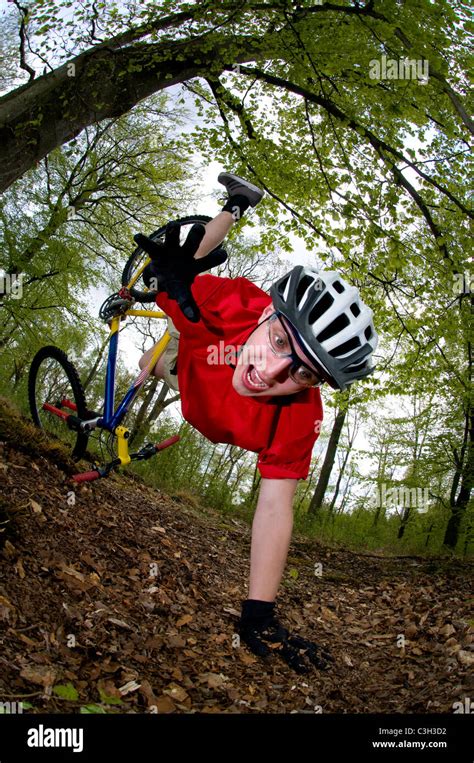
x: 235, y: 185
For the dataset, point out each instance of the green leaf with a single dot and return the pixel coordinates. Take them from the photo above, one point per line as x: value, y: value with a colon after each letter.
x: 66, y: 691
x: 92, y: 709
x: 108, y: 699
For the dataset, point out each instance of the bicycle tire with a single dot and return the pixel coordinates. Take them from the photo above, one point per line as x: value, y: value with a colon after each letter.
x: 132, y: 262
x: 77, y: 440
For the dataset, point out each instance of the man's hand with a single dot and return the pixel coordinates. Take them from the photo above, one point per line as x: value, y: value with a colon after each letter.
x: 264, y: 635
x: 173, y: 267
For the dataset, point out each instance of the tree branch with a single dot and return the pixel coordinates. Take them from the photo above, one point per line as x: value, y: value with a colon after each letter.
x: 23, y: 36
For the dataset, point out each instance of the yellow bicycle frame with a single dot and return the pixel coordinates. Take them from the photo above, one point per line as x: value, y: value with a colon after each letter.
x: 111, y: 419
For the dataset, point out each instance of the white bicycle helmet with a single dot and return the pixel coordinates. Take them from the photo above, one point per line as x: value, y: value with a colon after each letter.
x: 332, y: 325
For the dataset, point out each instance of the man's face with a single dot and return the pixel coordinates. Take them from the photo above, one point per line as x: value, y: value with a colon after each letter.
x: 259, y: 372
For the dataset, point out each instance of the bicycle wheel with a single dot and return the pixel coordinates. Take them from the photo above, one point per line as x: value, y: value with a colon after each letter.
x: 53, y: 381
x: 131, y: 276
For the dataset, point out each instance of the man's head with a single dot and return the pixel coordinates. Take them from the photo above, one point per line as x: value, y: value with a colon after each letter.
x: 271, y: 362
x: 316, y: 329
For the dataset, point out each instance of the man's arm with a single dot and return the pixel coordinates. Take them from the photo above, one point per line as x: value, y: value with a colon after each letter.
x: 271, y: 535
x: 258, y: 626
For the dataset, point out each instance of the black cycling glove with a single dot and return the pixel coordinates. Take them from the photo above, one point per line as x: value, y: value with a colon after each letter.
x: 263, y: 634
x: 173, y: 267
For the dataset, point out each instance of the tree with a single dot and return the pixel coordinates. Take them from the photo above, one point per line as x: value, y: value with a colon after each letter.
x: 330, y: 455
x: 75, y: 232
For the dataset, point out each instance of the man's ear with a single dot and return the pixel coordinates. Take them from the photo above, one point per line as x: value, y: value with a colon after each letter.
x: 266, y: 313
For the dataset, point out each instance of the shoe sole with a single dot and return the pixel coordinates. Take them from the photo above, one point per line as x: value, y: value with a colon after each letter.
x: 225, y: 177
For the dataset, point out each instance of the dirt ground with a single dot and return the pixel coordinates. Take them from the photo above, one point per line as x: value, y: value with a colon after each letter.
x: 121, y: 598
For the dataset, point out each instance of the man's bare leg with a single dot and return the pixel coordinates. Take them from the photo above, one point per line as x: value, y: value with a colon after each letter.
x: 216, y: 231
x: 242, y: 194
x: 145, y: 359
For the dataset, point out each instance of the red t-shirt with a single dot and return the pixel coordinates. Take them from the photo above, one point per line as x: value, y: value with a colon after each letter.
x: 280, y: 429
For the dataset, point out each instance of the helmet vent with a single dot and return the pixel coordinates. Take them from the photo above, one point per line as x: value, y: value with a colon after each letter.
x: 283, y: 284
x: 351, y: 344
x: 320, y: 308
x: 334, y: 328
x: 355, y: 309
x: 302, y: 287
x: 368, y: 332
x: 338, y: 286
x: 358, y: 367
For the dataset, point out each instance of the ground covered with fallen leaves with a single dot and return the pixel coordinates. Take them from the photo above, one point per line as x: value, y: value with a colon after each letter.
x: 123, y: 599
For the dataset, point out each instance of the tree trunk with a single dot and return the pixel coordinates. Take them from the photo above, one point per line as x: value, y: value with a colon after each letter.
x: 92, y: 373
x: 403, y: 524
x: 208, y: 466
x: 100, y: 83
x: 340, y: 475
x: 328, y: 463
x: 251, y: 500
x: 459, y: 504
x: 140, y: 417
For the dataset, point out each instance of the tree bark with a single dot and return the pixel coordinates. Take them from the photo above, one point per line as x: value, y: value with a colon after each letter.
x: 139, y: 421
x: 328, y: 463
x: 464, y: 473
x: 101, y: 83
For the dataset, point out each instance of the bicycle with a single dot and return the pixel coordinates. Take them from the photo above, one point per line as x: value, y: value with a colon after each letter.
x: 56, y: 396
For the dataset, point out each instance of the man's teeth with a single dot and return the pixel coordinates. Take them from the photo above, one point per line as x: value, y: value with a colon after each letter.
x: 257, y: 382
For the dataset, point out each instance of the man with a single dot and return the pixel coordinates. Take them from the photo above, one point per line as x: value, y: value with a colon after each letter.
x: 262, y: 393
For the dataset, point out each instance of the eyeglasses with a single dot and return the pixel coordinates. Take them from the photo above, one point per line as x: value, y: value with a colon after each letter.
x: 282, y: 346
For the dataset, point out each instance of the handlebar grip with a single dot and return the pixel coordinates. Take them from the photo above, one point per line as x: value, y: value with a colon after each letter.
x: 167, y: 443
x: 87, y: 476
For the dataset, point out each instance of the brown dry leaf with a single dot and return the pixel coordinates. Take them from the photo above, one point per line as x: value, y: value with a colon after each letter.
x: 176, y: 692
x: 232, y: 611
x: 93, y: 578
x: 108, y: 687
x: 165, y: 705
x: 9, y: 550
x: 147, y: 692
x: 246, y: 658
x: 347, y: 660
x: 176, y: 641
x: 39, y: 674
x: 6, y: 608
x: 120, y: 623
x: 73, y: 572
x: 20, y: 569
x: 411, y: 630
x: 328, y: 614
x: 447, y: 630
x: 184, y: 620
x: 215, y: 680
x: 465, y: 658
x: 452, y: 646
x: 27, y: 640
x: 35, y: 506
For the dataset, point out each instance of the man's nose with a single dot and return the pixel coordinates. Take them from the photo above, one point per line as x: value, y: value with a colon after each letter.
x: 275, y: 368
